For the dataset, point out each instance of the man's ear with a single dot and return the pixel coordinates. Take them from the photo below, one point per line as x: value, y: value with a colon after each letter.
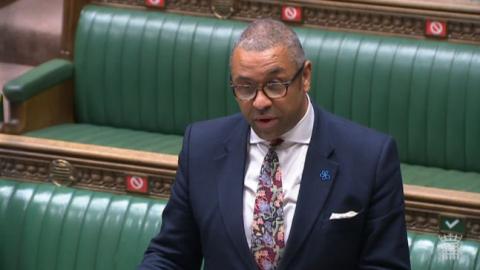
x: 307, y: 76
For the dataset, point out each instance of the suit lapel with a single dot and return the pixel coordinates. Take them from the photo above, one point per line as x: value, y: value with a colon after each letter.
x: 314, y: 188
x: 231, y: 164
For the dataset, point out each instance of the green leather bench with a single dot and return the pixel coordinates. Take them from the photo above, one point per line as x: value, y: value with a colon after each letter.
x: 47, y: 227
x: 141, y: 76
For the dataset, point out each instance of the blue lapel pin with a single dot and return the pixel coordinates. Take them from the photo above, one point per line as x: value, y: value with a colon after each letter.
x: 325, y: 175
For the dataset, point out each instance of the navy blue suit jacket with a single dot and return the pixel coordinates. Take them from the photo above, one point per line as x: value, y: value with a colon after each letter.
x: 204, y: 217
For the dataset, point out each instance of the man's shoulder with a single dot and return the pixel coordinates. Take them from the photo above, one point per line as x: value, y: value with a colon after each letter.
x: 346, y: 132
x: 224, y: 122
x: 218, y: 128
x: 343, y: 124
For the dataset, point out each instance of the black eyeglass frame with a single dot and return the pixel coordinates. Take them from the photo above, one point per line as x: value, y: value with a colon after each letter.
x: 286, y: 84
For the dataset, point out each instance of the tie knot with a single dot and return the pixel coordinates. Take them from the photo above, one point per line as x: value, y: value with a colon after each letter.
x: 276, y: 142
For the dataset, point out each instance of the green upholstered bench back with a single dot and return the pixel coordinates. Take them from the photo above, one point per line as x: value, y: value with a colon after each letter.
x: 423, y: 93
x: 158, y: 72
x: 150, y: 70
x: 47, y: 227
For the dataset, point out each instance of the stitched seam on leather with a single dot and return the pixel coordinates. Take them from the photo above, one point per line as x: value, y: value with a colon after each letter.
x: 465, y: 115
x: 172, y: 74
x: 22, y: 224
x: 409, y: 109
x: 158, y: 125
x: 389, y: 91
x: 103, y: 117
x: 140, y: 87
x: 84, y: 96
x: 352, y: 81
x: 427, y: 133
x: 143, y: 225
x: 370, y: 88
x: 80, y: 231
x: 105, y: 216
x: 119, y: 241
x: 447, y: 164
x: 190, y: 72
x: 334, y: 75
x: 67, y: 208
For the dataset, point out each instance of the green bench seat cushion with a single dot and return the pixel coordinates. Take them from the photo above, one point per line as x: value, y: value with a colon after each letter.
x: 112, y: 137
x: 47, y: 227
x: 426, y: 253
x: 440, y: 178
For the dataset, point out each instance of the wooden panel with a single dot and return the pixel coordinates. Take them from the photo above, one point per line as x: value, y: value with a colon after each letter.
x: 71, y: 13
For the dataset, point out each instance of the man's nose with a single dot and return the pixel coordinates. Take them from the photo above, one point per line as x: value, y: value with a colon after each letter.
x: 261, y: 101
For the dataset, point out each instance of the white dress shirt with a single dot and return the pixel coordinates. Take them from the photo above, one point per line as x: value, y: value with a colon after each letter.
x: 291, y: 155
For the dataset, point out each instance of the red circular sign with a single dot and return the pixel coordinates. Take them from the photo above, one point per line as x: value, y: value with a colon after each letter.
x: 436, y: 28
x: 137, y: 182
x: 290, y: 13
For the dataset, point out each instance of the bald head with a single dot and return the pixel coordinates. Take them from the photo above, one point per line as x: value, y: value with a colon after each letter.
x: 265, y: 34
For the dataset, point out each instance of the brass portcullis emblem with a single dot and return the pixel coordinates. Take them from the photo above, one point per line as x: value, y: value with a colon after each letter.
x: 223, y: 9
x: 61, y: 173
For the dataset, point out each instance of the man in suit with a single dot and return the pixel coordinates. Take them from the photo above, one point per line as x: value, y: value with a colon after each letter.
x: 284, y: 184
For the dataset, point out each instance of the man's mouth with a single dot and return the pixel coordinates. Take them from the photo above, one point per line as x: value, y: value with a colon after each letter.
x: 265, y: 122
x: 264, y: 118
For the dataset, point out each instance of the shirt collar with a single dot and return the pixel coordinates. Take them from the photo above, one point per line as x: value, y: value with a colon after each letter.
x: 301, y: 133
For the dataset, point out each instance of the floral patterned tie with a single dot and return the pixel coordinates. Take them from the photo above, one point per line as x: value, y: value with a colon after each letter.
x: 268, y: 230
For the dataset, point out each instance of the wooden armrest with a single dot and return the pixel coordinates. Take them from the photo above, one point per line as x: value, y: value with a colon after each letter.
x: 50, y: 107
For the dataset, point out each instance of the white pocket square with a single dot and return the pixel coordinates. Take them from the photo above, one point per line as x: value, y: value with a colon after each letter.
x: 348, y: 214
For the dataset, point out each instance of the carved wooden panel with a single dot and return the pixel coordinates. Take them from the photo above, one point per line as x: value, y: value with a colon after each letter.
x: 86, y: 176
x: 93, y: 167
x: 386, y: 17
x: 341, y: 15
x: 425, y: 221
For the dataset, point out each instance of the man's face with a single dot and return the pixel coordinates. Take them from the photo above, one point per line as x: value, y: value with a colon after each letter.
x: 270, y: 118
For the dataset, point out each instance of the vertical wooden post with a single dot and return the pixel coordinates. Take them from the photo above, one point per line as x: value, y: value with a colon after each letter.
x: 71, y: 13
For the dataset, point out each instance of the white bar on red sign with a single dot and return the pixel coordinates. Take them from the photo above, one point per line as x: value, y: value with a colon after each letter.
x: 436, y: 28
x: 291, y: 14
x: 137, y: 183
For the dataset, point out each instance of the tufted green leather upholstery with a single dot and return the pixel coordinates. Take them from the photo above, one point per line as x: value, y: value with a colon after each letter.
x: 151, y: 71
x: 423, y: 93
x: 157, y: 72
x: 47, y: 227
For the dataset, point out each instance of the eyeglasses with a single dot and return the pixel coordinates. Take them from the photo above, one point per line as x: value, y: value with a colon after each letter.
x: 272, y: 90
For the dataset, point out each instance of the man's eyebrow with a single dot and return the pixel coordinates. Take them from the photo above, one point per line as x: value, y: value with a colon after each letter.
x: 242, y: 78
x: 273, y: 71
